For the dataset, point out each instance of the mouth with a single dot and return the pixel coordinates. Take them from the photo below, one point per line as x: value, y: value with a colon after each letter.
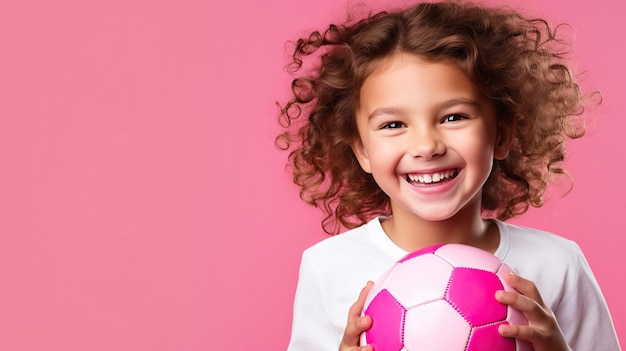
x: 432, y: 178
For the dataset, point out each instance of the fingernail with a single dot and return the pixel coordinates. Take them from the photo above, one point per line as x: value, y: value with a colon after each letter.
x: 363, y: 321
x: 504, y: 329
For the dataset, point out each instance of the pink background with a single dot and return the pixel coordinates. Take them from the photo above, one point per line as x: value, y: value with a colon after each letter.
x: 142, y: 203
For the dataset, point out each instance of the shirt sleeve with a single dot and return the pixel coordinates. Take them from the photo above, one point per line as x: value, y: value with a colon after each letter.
x: 311, y: 329
x: 582, y: 313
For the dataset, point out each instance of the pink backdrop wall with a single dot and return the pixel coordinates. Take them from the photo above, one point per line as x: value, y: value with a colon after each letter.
x: 142, y: 203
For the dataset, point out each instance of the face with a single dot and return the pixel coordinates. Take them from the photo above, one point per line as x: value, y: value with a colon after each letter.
x: 427, y: 136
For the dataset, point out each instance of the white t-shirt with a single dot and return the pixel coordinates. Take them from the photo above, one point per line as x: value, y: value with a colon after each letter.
x: 333, y: 272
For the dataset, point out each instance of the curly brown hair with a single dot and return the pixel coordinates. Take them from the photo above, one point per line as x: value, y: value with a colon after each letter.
x: 514, y: 60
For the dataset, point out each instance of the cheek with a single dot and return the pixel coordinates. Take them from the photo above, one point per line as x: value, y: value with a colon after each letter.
x: 383, y: 160
x: 477, y: 151
x: 383, y: 152
x: 483, y: 158
x: 480, y: 143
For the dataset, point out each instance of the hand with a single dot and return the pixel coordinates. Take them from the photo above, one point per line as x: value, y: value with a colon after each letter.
x: 357, y: 324
x: 542, y: 331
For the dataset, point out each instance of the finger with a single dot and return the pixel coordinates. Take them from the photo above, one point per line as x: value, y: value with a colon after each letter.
x: 357, y: 324
x: 351, y: 335
x: 524, y: 286
x: 521, y: 332
x: 532, y: 310
x: 357, y: 307
x: 354, y: 328
x: 357, y: 348
x: 516, y: 300
x: 542, y: 340
x: 363, y: 295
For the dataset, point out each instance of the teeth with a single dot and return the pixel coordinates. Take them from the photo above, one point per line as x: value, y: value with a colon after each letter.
x: 431, y: 178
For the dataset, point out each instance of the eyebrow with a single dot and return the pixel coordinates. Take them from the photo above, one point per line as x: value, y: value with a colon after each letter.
x: 459, y: 101
x: 384, y: 111
x: 444, y: 105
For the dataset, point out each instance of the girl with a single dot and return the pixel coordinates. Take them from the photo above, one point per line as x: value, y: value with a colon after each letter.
x: 430, y: 125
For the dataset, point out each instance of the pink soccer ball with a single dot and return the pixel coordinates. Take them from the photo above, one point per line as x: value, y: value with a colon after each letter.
x: 441, y: 298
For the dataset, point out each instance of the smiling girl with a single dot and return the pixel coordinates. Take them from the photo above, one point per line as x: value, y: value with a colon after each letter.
x: 431, y: 125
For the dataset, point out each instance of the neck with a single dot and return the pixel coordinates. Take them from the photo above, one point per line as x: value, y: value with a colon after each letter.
x: 412, y: 233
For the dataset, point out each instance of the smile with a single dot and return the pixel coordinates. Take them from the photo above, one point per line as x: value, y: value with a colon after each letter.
x: 430, y: 178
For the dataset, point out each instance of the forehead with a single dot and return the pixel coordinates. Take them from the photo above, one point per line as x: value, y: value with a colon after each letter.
x: 410, y: 79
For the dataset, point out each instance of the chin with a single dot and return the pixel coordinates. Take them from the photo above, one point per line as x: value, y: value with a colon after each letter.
x: 435, y: 216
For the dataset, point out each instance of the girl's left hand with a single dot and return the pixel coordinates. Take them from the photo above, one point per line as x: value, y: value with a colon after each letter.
x: 542, y: 331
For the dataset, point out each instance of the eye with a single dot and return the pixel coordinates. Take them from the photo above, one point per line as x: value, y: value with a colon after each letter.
x: 392, y: 125
x: 453, y: 118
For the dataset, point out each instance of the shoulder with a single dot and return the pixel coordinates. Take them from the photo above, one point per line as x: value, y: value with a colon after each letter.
x: 333, y: 271
x: 360, y: 253
x: 341, y: 244
x: 539, y: 255
x: 555, y: 264
x: 567, y: 285
x: 365, y: 241
x: 523, y: 243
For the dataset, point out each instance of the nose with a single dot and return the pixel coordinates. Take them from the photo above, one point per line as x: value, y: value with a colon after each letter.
x: 426, y: 144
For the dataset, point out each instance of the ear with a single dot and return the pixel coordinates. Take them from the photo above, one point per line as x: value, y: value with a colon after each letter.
x: 361, y: 155
x: 504, y: 140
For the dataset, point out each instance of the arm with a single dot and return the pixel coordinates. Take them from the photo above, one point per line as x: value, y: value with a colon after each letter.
x: 579, y: 318
x: 311, y: 330
x: 561, y: 274
x: 582, y: 311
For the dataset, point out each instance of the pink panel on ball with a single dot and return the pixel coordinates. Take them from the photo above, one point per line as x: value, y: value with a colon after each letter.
x: 501, y: 272
x: 381, y: 283
x: 419, y: 280
x: 515, y: 317
x: 523, y: 345
x: 472, y: 292
x: 487, y: 339
x: 468, y: 256
x: 387, y: 319
x: 435, y: 326
x: 426, y: 250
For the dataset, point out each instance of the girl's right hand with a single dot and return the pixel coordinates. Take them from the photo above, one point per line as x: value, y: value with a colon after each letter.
x: 357, y: 324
